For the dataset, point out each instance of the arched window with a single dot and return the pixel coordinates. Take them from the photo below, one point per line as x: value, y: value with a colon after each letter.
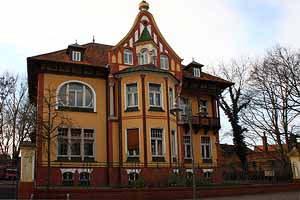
x: 164, y: 62
x: 128, y: 57
x: 143, y: 57
x: 75, y: 94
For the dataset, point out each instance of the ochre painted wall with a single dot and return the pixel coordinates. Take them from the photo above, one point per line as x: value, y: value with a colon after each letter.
x: 95, y: 120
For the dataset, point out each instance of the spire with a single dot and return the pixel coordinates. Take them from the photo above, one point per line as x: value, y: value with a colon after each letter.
x: 145, y: 36
x: 93, y: 39
x: 144, y: 6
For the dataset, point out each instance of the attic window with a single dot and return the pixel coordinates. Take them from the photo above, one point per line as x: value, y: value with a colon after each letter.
x: 76, y: 55
x: 197, y: 72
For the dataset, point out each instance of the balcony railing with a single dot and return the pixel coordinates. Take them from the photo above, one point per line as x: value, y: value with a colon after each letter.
x: 203, y: 122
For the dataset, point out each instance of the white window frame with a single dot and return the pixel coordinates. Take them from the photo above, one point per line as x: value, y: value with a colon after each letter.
x: 155, y: 93
x: 128, y: 57
x: 203, y: 107
x: 69, y: 138
x: 204, y: 145
x: 163, y: 143
x: 76, y: 55
x: 197, y: 72
x: 126, y: 150
x: 125, y: 98
x: 80, y: 82
x: 143, y: 57
x: 171, y: 101
x: 164, y: 62
x: 174, y: 142
x: 185, y: 146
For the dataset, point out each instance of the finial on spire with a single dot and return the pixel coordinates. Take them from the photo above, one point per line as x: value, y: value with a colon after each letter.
x: 93, y: 39
x: 75, y: 41
x: 144, y: 6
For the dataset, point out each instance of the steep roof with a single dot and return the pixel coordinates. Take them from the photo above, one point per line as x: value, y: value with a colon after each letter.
x: 95, y: 54
x: 145, y: 36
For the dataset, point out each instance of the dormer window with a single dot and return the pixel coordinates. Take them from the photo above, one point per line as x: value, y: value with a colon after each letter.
x: 197, y: 72
x: 143, y: 57
x: 76, y: 55
x: 164, y: 62
x: 128, y: 57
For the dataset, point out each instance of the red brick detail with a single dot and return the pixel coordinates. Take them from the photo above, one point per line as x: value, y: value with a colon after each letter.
x: 25, y: 190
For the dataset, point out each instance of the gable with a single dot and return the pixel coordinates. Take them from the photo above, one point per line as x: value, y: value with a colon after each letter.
x: 145, y: 31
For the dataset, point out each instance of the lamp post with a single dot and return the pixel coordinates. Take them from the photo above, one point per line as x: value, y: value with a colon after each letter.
x: 176, y: 109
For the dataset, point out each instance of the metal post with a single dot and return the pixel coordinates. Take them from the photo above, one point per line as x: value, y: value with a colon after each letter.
x: 190, y: 118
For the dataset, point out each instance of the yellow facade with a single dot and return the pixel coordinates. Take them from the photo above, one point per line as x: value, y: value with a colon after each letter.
x: 95, y: 120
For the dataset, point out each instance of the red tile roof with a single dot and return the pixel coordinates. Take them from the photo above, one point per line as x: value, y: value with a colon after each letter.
x: 95, y: 54
x: 271, y: 147
x: 205, y: 77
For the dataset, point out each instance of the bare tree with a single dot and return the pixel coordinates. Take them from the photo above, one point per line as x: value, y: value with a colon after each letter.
x: 21, y: 116
x: 49, y: 121
x: 273, y: 108
x: 234, y: 100
x: 7, y: 83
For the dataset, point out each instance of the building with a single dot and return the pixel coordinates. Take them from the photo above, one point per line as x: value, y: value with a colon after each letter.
x: 263, y: 161
x: 120, y: 99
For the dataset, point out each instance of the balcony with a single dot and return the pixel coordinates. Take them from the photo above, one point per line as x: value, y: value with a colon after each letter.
x: 202, y: 122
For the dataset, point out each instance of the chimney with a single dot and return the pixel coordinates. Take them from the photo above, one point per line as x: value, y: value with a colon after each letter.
x: 265, y: 142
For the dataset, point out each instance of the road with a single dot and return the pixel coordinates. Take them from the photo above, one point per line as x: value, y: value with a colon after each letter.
x: 273, y: 196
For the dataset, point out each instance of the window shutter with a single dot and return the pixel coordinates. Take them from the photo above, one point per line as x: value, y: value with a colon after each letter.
x: 132, y: 139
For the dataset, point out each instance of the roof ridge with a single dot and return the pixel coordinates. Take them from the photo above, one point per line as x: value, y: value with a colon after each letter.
x: 44, y: 54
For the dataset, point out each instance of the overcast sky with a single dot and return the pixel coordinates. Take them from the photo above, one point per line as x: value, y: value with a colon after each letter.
x: 207, y: 30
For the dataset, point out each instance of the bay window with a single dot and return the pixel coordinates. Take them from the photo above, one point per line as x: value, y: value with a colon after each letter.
x: 155, y: 95
x: 133, y: 142
x: 157, y: 142
x: 131, y: 95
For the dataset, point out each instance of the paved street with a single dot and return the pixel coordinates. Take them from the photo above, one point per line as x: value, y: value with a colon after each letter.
x: 274, y: 196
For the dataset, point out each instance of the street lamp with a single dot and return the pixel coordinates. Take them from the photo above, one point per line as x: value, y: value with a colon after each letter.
x: 176, y: 109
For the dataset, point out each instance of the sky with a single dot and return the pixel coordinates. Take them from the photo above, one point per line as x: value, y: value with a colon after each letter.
x: 209, y: 31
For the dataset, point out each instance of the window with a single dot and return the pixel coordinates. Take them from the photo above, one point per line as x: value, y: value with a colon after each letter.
x: 183, y: 106
x: 62, y: 142
x: 157, y: 142
x: 128, y: 57
x: 75, y: 94
x: 197, y: 72
x: 131, y: 95
x: 132, y: 177
x: 173, y: 144
x: 67, y: 178
x: 133, y: 142
x: 171, y: 98
x: 164, y: 62
x: 76, y: 55
x: 143, y: 57
x: 203, y: 108
x: 205, y: 147
x: 207, y: 175
x: 84, y: 178
x: 187, y: 147
x: 75, y: 144
x: 155, y: 95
